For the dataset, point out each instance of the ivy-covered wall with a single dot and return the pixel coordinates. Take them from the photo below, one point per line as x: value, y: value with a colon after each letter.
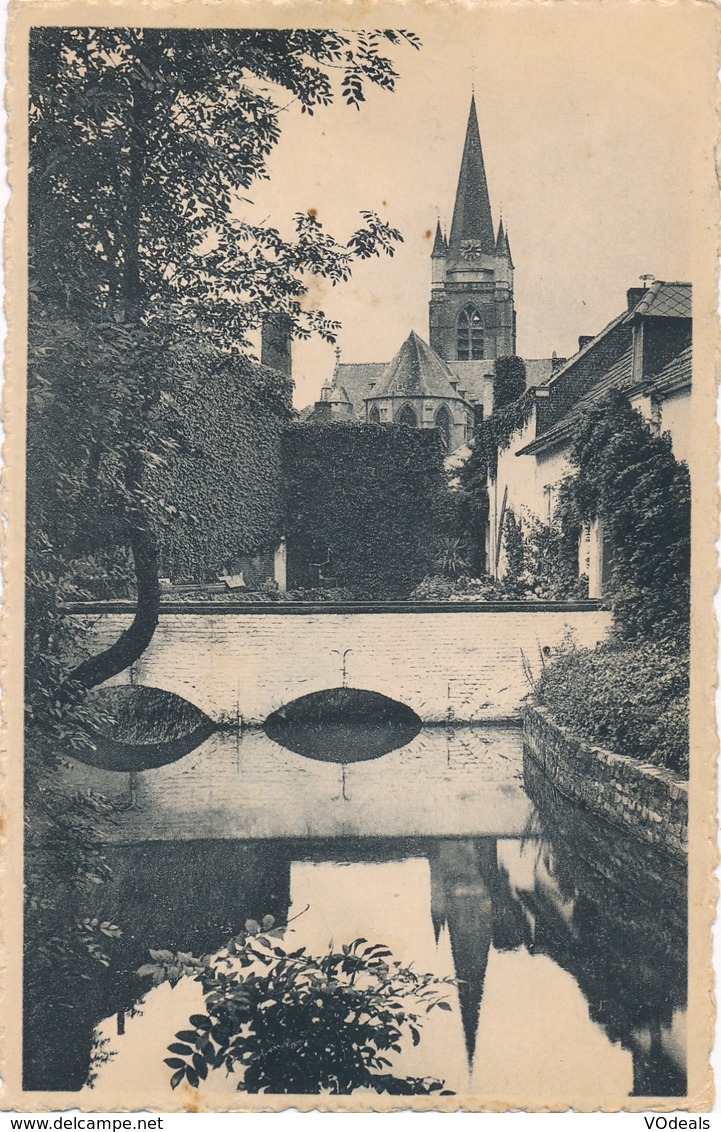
x: 226, y: 480
x: 375, y: 497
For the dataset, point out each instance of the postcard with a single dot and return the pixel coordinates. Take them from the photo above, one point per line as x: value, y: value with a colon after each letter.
x: 360, y: 485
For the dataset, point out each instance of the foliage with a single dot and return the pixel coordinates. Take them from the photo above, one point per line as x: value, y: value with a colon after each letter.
x: 630, y: 697
x: 226, y: 480
x: 390, y: 481
x: 145, y: 275
x: 463, y: 588
x: 513, y: 543
x: 452, y: 557
x: 542, y: 558
x: 290, y: 1022
x: 628, y: 478
x: 509, y: 383
x: 490, y: 436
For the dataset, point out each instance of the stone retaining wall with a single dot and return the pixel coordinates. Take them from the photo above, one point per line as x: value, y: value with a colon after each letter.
x: 648, y: 801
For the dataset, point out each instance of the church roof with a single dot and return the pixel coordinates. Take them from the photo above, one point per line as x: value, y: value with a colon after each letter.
x: 357, y: 378
x: 472, y: 218
x: 416, y: 371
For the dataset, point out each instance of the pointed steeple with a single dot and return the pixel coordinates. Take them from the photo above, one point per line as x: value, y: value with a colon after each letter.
x: 472, y: 220
x: 440, y: 244
x: 503, y: 247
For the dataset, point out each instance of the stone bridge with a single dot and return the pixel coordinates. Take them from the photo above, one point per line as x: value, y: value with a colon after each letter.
x: 459, y: 662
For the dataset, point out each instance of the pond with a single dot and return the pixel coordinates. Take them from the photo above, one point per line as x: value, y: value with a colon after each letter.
x: 567, y: 939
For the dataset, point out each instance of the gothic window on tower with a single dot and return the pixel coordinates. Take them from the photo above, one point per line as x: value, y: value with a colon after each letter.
x: 469, y: 335
x: 374, y: 416
x: 407, y: 417
x: 443, y: 424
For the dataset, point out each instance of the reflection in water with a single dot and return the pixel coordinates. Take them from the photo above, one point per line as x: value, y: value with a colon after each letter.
x: 137, y: 727
x: 568, y: 942
x: 613, y: 912
x: 343, y: 725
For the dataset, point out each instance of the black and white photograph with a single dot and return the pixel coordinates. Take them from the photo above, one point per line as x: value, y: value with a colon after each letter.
x: 362, y: 463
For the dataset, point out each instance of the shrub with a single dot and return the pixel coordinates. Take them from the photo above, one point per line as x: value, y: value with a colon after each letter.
x: 630, y: 698
x: 285, y: 1021
x: 440, y: 588
x: 369, y: 502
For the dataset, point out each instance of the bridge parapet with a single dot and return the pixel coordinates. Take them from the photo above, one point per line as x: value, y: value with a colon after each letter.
x: 454, y: 662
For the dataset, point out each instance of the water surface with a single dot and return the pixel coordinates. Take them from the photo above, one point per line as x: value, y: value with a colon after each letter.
x: 568, y: 938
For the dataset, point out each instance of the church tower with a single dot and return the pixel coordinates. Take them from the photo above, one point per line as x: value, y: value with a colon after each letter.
x: 472, y: 319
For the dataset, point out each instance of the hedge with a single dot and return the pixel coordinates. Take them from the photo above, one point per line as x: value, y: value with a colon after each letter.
x: 374, y: 497
x: 226, y: 482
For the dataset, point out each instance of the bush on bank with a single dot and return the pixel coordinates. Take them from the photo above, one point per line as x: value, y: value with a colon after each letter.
x: 632, y: 699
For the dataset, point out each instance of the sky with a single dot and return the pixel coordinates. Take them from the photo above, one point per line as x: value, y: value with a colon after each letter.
x: 593, y: 130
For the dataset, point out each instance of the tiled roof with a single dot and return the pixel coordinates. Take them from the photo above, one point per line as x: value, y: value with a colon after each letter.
x: 538, y: 370
x: 618, y: 376
x: 665, y: 300
x: 416, y: 371
x: 676, y: 376
x: 355, y: 379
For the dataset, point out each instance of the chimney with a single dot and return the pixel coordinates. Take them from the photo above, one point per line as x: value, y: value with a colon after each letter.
x: 634, y: 296
x: 556, y: 362
x: 275, y: 349
x: 584, y: 339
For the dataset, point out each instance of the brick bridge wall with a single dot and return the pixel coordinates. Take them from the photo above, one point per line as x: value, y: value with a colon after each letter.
x: 447, y: 662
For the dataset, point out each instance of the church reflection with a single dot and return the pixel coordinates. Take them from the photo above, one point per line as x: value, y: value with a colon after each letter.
x: 608, y: 912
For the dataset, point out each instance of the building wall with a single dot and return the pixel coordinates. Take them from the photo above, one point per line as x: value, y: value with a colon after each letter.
x: 676, y: 419
x: 529, y: 483
x: 426, y: 408
x: 456, y: 664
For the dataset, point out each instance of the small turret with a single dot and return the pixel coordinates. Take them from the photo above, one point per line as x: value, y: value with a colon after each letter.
x: 440, y: 244
x: 503, y: 247
x: 438, y: 259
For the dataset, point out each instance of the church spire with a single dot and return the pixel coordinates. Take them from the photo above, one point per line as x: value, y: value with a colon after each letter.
x: 472, y: 220
x: 440, y: 244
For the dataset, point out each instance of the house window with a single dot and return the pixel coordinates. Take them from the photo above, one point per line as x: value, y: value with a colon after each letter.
x: 469, y: 335
x: 374, y: 416
x: 444, y: 424
x: 407, y: 417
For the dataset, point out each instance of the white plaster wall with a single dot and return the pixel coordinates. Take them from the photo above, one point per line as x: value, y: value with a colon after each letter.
x: 676, y: 419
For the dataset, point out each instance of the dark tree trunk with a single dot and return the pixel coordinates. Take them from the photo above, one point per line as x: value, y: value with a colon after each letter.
x: 134, y: 640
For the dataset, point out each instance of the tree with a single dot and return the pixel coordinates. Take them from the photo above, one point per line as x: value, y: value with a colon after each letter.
x: 144, y: 275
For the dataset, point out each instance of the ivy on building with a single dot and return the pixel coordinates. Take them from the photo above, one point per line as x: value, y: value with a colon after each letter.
x: 628, y: 478
x: 367, y: 506
x: 632, y: 692
x: 225, y: 482
x: 509, y: 383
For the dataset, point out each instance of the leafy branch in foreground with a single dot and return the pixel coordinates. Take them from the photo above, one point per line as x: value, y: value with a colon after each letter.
x: 290, y: 1022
